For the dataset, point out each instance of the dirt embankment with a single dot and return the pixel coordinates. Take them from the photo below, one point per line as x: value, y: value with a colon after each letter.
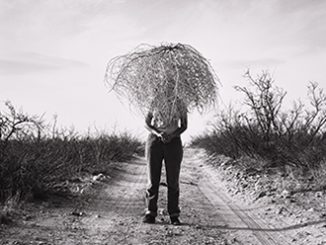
x: 111, y: 210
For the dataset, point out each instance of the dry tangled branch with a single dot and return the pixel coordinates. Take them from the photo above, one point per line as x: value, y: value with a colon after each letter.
x: 160, y: 77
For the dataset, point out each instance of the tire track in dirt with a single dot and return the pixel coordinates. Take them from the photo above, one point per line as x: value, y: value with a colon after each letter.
x: 236, y: 219
x: 243, y: 219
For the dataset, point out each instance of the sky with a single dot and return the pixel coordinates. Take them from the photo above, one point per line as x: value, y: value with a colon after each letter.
x: 53, y: 53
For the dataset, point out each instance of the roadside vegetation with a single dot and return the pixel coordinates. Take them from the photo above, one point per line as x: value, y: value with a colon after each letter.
x: 37, y: 159
x: 265, y: 139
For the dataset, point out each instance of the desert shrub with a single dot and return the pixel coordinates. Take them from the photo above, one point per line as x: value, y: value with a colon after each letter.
x: 264, y: 130
x: 34, y: 159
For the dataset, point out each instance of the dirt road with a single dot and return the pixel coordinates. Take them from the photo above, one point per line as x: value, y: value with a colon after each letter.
x: 112, y: 214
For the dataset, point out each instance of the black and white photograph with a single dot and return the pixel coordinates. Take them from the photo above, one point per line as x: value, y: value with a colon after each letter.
x: 162, y: 122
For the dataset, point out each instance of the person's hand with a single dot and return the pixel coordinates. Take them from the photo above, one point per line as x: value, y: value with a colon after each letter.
x: 164, y: 137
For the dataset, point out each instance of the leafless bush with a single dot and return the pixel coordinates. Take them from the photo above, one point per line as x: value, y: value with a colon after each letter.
x: 263, y: 129
x: 16, y: 125
x: 35, y: 157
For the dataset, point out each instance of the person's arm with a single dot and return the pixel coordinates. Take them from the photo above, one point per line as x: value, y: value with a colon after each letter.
x: 182, y: 128
x: 149, y: 125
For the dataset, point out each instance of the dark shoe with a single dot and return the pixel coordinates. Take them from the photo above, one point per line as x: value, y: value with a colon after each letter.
x: 175, y: 221
x: 149, y: 219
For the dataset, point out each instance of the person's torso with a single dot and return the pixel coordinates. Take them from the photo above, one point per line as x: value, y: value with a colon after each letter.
x: 164, y: 125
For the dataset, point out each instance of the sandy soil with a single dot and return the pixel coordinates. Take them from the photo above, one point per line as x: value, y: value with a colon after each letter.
x: 110, y: 212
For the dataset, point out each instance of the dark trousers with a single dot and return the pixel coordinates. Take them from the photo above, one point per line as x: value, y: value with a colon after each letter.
x: 171, y: 153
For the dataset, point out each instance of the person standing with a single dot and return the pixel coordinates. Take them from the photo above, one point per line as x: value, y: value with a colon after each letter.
x: 164, y: 83
x: 164, y: 143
